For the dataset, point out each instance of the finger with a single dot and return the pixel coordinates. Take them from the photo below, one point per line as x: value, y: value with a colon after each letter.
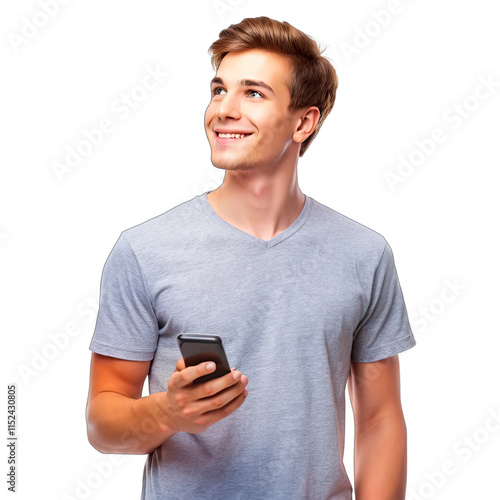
x: 218, y: 400
x: 216, y: 385
x: 180, y: 365
x: 213, y: 416
x: 187, y: 375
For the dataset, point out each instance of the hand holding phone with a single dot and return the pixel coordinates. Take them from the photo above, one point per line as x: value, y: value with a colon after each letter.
x: 191, y: 406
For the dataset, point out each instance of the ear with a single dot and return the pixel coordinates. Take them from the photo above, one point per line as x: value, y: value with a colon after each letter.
x: 307, y: 124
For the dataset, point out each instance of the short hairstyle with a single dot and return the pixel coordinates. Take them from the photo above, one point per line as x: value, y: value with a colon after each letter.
x: 313, y: 81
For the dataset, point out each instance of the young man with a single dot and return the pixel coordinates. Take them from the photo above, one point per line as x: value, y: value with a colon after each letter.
x: 304, y: 298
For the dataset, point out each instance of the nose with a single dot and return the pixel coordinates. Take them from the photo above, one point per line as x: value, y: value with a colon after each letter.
x: 228, y: 107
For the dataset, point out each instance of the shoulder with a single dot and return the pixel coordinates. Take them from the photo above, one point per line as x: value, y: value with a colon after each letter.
x: 347, y: 235
x: 165, y: 229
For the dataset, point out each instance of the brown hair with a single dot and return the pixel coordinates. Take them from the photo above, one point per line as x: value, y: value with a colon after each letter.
x: 313, y: 81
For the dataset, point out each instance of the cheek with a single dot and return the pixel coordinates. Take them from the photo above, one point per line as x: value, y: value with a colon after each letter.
x: 209, y: 114
x: 277, y: 128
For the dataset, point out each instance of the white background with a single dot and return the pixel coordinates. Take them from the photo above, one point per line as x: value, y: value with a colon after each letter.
x: 408, y: 73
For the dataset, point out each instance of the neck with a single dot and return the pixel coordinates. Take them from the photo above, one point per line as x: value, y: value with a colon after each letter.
x: 259, y: 203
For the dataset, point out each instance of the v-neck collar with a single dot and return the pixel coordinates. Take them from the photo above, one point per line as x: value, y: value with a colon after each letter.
x: 294, y: 227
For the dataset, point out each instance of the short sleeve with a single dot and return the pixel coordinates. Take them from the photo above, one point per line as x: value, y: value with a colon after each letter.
x: 126, y: 325
x: 384, y: 329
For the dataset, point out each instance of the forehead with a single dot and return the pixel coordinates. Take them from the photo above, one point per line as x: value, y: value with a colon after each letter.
x: 256, y: 64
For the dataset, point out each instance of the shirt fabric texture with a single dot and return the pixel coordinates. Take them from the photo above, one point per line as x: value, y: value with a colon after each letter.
x: 292, y: 313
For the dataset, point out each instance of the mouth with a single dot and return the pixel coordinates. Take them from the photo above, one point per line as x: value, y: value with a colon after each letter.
x: 231, y: 135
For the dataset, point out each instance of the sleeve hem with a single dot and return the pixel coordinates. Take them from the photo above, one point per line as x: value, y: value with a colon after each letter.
x: 385, y: 351
x: 120, y: 352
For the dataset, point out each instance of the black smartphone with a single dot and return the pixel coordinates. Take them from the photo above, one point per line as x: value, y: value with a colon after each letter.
x: 197, y: 348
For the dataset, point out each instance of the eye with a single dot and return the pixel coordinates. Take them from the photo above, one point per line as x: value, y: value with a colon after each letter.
x: 255, y: 92
x: 217, y: 91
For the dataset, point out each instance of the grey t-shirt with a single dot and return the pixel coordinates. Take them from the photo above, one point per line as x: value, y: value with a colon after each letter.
x: 292, y: 313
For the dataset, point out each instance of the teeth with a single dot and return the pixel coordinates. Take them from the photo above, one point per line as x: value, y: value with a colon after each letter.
x: 231, y: 136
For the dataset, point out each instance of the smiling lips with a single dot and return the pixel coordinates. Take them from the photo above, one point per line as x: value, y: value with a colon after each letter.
x: 231, y: 135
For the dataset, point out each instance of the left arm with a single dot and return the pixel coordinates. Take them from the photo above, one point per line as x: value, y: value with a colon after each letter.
x: 380, y: 430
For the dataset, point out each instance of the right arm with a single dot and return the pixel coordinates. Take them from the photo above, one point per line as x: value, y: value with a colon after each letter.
x: 119, y: 420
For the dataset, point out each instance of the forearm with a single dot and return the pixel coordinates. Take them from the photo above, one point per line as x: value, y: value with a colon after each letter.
x: 380, y: 452
x: 118, y: 424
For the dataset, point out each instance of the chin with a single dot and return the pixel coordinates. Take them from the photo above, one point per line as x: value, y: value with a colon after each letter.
x: 233, y: 166
x: 228, y: 164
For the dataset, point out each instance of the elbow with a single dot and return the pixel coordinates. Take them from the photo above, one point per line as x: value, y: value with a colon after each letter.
x: 125, y: 444
x: 94, y: 442
x: 94, y: 434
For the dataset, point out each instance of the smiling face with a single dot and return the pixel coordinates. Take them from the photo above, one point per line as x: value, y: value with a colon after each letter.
x: 247, y: 122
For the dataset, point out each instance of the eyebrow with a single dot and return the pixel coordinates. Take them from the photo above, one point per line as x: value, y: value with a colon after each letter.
x: 245, y: 83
